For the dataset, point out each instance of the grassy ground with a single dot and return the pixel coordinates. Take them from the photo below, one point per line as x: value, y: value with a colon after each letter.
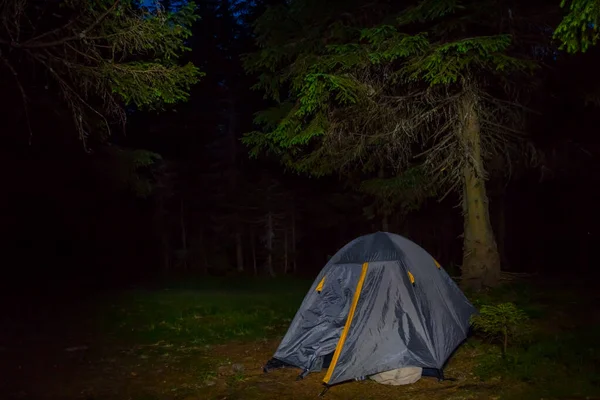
x: 209, y: 340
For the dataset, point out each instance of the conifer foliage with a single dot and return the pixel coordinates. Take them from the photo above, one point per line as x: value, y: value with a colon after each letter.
x: 378, y: 86
x: 99, y: 56
x: 580, y: 28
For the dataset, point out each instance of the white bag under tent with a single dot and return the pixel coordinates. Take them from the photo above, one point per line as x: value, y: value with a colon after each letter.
x: 399, y: 376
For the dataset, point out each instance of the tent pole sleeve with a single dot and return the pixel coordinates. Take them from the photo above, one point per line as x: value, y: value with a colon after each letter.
x: 344, y: 334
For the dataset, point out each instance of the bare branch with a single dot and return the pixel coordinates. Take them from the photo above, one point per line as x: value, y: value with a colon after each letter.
x: 73, y: 98
x: 30, y: 44
x: 52, y: 32
x: 23, y: 95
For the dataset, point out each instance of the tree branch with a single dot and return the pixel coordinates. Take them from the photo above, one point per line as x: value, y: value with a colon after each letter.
x: 81, y: 35
x: 23, y: 95
x: 52, y: 32
x: 68, y: 89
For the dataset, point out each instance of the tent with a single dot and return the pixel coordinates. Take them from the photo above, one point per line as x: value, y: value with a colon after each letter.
x: 381, y: 303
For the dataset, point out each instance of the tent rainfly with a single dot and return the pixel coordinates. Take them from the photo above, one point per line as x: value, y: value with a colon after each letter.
x: 380, y: 304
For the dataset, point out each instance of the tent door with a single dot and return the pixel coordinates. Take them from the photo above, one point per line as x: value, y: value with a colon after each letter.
x: 333, y: 301
x: 327, y: 360
x: 344, y: 335
x: 315, y: 332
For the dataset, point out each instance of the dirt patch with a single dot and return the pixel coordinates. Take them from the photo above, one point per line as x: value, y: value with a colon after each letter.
x: 252, y: 383
x: 229, y: 371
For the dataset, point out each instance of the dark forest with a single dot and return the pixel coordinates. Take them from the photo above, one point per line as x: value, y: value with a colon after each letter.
x: 176, y: 176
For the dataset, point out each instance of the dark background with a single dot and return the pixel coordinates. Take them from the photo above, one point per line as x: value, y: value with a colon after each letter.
x: 68, y: 221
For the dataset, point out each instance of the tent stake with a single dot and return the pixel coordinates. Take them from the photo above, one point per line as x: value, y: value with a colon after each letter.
x: 324, y: 391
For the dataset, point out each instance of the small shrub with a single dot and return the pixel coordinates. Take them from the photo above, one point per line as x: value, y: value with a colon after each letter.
x: 504, y: 322
x: 555, y: 365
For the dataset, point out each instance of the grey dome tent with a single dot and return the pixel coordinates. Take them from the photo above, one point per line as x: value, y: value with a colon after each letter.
x: 380, y: 303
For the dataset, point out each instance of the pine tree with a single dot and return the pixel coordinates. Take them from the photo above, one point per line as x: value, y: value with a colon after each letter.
x: 100, y: 57
x: 427, y: 88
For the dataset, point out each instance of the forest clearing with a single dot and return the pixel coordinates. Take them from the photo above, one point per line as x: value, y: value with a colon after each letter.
x: 173, y: 170
x: 210, y: 341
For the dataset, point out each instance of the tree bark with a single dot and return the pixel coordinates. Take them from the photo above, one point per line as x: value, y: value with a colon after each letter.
x: 481, y: 261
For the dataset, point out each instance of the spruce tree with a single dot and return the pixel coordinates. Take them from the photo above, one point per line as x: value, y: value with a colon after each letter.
x: 98, y: 57
x: 430, y: 87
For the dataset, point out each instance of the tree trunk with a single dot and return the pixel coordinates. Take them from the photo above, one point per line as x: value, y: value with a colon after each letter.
x: 270, y: 235
x: 239, y: 251
x: 204, y: 253
x: 232, y: 139
x: 285, y: 251
x: 481, y: 261
x: 166, y: 253
x: 405, y: 227
x: 254, y: 266
x: 294, y: 265
x: 161, y: 230
x: 385, y: 223
x: 183, y: 237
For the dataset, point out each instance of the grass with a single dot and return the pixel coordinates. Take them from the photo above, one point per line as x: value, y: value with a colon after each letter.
x: 553, y: 365
x: 208, y: 339
x: 201, y: 316
x: 561, y: 358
